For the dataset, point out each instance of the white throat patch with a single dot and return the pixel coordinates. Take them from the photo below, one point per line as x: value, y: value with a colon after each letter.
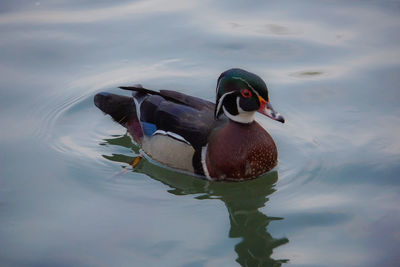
x: 242, y: 117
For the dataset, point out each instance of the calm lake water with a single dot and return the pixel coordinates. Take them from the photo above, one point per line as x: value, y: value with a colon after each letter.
x: 68, y: 196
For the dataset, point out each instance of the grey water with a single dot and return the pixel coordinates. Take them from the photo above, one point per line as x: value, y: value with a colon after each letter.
x: 69, y: 197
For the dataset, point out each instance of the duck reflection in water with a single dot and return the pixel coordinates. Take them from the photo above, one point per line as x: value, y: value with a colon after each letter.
x: 242, y: 200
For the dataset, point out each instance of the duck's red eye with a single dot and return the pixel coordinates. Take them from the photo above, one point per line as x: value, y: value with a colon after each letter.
x: 246, y: 93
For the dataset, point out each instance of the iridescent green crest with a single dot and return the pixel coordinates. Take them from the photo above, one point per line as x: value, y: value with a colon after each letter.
x: 234, y: 80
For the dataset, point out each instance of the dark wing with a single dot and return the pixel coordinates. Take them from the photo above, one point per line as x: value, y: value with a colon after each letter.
x: 189, y: 117
x: 188, y: 100
x: 174, y: 96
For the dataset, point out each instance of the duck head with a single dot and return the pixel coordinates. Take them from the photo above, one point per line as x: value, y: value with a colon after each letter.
x: 240, y: 94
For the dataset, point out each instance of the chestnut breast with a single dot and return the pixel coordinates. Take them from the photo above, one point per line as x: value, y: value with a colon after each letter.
x: 240, y: 151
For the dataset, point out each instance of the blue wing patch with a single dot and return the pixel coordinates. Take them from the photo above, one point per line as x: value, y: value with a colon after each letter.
x: 148, y: 128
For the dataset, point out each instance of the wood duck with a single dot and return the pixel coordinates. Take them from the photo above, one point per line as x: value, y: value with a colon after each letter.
x: 218, y: 141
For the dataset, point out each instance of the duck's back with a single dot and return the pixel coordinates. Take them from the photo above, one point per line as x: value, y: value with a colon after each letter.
x: 160, y: 115
x: 173, y: 126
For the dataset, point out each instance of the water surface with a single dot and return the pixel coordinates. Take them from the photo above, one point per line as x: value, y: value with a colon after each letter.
x: 69, y: 197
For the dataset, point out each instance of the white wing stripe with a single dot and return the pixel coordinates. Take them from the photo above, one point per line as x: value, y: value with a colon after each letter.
x: 171, y: 134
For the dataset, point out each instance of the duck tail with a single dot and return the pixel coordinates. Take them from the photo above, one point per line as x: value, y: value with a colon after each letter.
x: 122, y: 109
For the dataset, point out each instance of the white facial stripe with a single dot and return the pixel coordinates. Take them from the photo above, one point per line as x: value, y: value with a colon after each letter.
x: 251, y: 87
x: 216, y: 89
x: 243, y: 116
x: 221, y: 100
